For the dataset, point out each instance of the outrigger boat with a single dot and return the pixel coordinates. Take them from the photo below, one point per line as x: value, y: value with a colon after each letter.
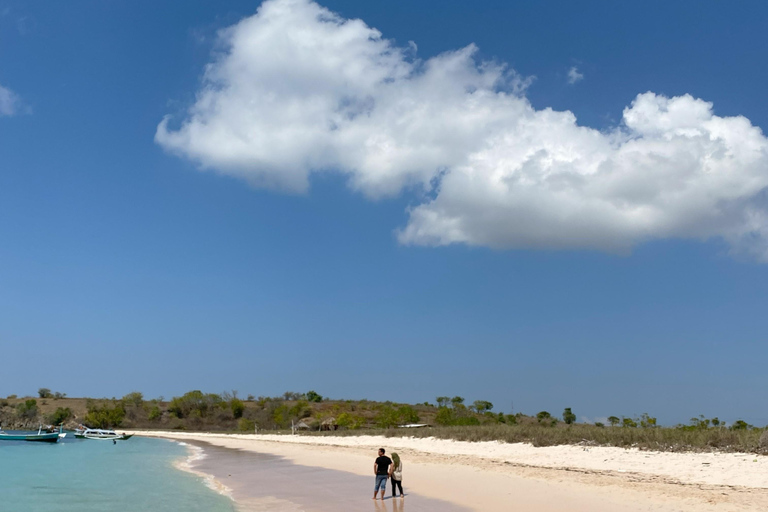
x: 100, y: 434
x: 42, y: 437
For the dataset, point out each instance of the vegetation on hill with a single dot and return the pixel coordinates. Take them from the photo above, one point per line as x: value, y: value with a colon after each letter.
x: 448, y: 417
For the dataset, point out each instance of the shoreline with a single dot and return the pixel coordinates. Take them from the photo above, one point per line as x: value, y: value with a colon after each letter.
x: 492, y: 476
x: 195, y: 454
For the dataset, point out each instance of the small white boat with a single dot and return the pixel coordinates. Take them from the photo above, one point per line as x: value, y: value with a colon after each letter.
x: 100, y: 434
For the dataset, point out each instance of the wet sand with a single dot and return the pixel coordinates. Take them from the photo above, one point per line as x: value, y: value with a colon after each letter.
x: 262, y: 482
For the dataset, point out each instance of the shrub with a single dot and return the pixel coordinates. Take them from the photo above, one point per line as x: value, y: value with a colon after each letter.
x: 59, y: 416
x: 246, y: 425
x: 568, y: 416
x: 27, y: 410
x: 455, y: 416
x: 44, y: 393
x: 387, y: 417
x: 154, y: 414
x: 105, y: 416
x: 444, y: 416
x: 194, y: 404
x: 238, y: 407
x: 314, y: 397
x: 647, y: 421
x: 350, y: 421
x: 466, y: 420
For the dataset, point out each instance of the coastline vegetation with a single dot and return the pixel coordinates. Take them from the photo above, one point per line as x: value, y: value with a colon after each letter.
x: 312, y: 414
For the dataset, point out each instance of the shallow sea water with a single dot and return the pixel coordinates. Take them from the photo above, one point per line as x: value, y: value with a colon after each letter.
x: 76, y: 475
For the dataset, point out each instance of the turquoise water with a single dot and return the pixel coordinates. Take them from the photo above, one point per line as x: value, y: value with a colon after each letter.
x: 98, y: 476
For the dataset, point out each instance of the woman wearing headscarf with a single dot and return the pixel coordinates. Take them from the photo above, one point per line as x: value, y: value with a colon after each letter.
x: 397, y: 475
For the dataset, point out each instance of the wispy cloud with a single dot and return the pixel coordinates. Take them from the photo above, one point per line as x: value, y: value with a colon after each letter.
x: 574, y: 75
x: 9, y: 102
x: 297, y: 89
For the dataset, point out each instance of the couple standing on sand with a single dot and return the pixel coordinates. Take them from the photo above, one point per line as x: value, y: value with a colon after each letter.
x: 385, y: 467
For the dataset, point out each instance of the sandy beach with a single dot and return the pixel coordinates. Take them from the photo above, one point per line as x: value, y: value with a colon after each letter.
x: 490, y: 476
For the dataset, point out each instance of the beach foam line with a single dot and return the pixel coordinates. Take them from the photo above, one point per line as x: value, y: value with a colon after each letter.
x: 197, y: 453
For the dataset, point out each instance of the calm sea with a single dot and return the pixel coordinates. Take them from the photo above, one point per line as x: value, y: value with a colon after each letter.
x: 97, y: 476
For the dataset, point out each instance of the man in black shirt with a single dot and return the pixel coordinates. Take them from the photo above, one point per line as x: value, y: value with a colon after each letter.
x: 381, y: 470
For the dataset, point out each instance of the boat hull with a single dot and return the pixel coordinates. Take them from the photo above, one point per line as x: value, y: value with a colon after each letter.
x: 104, y: 437
x: 39, y: 438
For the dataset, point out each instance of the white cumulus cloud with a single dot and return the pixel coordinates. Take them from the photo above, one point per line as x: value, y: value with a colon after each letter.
x: 296, y: 89
x: 9, y: 102
x: 574, y: 75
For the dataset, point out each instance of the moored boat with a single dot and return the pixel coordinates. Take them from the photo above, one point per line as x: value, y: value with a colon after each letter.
x: 100, y: 434
x: 40, y: 436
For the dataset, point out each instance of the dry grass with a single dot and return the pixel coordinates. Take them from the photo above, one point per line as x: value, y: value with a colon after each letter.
x: 657, y: 438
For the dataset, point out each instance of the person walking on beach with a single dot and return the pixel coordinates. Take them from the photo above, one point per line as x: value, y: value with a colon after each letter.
x: 397, y: 475
x: 381, y: 470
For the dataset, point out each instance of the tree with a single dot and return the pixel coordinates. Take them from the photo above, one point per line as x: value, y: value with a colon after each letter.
x: 543, y: 416
x: 628, y: 422
x: 457, y: 400
x: 237, y: 406
x: 44, y: 393
x: 134, y: 398
x: 442, y: 401
x: 647, y: 421
x: 314, y: 397
x: 740, y: 425
x: 568, y: 416
x: 482, y: 406
x: 613, y: 420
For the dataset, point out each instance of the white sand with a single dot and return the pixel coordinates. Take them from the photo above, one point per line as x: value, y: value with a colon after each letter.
x: 492, y: 476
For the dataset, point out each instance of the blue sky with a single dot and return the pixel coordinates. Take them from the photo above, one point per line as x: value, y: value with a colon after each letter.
x: 164, y: 260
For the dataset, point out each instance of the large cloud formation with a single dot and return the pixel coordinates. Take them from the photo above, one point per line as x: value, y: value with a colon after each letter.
x: 296, y: 89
